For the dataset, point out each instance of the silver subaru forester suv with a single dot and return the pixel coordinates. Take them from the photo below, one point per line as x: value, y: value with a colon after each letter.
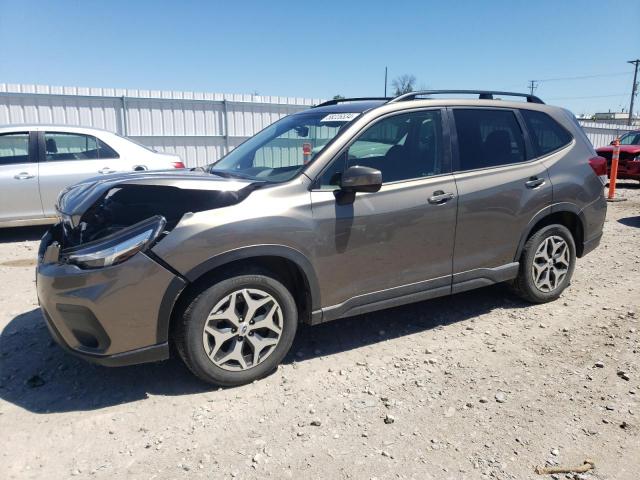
x: 352, y: 206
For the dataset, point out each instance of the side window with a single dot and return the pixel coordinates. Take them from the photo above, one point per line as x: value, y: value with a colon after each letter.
x: 488, y: 138
x: 546, y: 134
x: 105, y: 151
x: 70, y: 146
x: 630, y: 139
x: 402, y: 147
x: 14, y: 148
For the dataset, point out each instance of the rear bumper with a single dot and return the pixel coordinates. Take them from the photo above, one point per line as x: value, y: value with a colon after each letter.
x: 109, y: 316
x: 593, y: 217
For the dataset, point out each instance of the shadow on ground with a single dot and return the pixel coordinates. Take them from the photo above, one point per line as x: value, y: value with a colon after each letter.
x: 22, y: 234
x: 39, y: 376
x: 630, y: 221
x: 627, y: 184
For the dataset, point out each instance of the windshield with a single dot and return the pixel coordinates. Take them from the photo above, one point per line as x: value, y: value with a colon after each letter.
x: 280, y: 151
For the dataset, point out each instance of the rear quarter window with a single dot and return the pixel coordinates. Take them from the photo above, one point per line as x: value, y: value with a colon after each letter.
x: 546, y: 134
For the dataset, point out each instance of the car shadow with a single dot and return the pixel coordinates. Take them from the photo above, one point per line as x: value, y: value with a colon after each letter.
x: 37, y: 375
x: 626, y: 184
x: 22, y: 234
x: 630, y: 221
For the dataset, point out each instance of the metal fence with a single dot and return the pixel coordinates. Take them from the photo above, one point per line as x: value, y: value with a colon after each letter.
x: 200, y: 127
x: 602, y: 134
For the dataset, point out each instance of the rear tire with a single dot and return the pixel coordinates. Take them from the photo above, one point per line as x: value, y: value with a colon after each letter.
x: 546, y: 265
x: 237, y: 330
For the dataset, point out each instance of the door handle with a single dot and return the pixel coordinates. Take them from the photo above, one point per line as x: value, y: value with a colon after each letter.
x: 106, y: 170
x: 23, y: 176
x: 439, y: 197
x: 534, y: 182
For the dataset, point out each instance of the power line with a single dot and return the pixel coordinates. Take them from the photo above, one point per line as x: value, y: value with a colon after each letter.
x: 584, y: 77
x: 589, y: 96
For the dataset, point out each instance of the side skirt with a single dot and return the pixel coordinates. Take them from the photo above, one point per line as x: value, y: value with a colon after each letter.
x: 391, y: 297
x: 483, y: 277
x: 416, y: 292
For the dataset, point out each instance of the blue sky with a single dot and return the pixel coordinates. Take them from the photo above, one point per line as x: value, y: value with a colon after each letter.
x: 321, y: 48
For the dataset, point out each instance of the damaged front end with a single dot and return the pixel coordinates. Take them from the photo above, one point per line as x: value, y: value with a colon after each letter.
x: 104, y: 295
x: 106, y: 222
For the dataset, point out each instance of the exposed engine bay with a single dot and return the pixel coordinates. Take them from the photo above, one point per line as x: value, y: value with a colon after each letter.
x: 127, y: 204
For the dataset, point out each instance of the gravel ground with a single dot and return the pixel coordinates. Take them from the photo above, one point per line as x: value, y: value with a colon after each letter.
x: 474, y: 386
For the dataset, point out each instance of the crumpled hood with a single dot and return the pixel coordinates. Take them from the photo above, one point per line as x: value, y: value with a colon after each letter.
x: 75, y: 200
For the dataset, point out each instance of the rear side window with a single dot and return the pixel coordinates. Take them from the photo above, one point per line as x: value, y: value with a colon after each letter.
x: 488, y: 138
x: 105, y: 151
x: 74, y: 146
x: 14, y: 148
x: 546, y: 134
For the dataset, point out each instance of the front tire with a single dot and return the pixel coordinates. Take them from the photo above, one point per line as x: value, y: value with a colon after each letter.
x: 546, y: 265
x: 237, y: 330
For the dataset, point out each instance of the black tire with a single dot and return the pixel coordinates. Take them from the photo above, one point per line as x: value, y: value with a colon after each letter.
x: 524, y: 285
x: 188, y: 336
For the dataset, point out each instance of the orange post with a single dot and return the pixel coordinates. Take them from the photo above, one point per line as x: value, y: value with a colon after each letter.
x: 614, y: 169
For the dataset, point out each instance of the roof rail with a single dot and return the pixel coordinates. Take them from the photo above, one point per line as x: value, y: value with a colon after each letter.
x: 335, y: 101
x: 482, y: 95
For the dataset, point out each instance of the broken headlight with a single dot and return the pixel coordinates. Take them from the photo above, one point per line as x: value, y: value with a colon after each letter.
x: 117, y: 247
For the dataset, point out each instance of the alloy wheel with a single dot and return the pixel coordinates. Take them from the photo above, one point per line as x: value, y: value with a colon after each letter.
x: 242, y: 329
x: 551, y: 263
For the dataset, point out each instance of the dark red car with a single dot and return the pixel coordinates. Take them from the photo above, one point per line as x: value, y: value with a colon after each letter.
x: 629, y: 163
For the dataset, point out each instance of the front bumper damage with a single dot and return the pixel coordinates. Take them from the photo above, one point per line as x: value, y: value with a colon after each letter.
x: 111, y: 316
x: 116, y: 311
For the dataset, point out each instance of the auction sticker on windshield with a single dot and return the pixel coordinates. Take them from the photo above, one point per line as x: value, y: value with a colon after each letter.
x: 339, y: 117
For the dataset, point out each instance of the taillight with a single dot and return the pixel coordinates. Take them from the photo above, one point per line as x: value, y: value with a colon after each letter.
x: 178, y: 165
x: 599, y: 165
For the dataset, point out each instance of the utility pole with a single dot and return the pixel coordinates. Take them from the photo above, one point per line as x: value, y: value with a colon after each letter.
x: 533, y: 84
x: 633, y: 88
x: 385, y: 82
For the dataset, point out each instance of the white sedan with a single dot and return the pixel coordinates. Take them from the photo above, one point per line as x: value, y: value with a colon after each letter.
x: 38, y: 161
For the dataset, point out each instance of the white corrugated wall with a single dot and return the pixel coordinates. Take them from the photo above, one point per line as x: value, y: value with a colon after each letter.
x: 601, y: 134
x: 200, y: 127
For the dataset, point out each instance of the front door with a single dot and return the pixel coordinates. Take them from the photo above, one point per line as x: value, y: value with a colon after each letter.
x: 19, y: 194
x: 396, y: 242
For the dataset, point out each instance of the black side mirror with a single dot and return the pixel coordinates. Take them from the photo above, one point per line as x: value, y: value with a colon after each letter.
x: 361, y: 179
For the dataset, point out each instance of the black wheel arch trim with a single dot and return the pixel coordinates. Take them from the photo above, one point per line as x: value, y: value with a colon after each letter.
x: 545, y: 212
x: 169, y: 299
x: 177, y: 285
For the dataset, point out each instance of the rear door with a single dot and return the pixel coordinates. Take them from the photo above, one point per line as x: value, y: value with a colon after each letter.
x: 500, y: 190
x: 19, y: 194
x: 69, y: 158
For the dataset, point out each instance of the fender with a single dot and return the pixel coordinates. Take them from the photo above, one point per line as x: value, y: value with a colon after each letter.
x: 268, y: 250
x: 554, y: 208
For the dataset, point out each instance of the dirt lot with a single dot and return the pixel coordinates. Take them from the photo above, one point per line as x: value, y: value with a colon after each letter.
x: 475, y: 386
